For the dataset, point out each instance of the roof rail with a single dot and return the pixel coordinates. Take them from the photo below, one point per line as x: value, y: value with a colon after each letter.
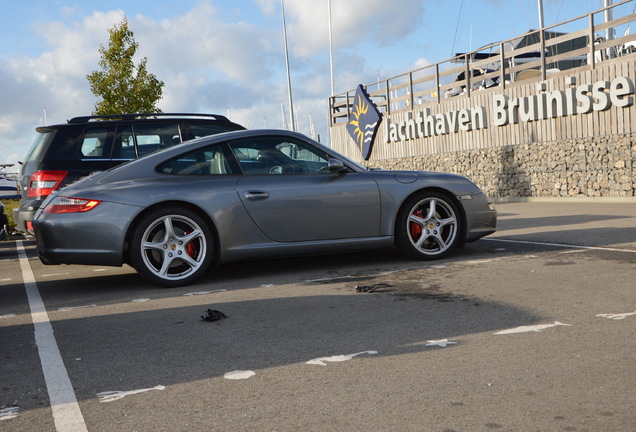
x: 133, y: 116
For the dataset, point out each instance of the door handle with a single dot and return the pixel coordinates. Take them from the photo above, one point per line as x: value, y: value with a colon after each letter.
x: 256, y: 195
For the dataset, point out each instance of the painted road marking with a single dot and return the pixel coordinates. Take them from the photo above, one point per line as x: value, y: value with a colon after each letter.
x: 66, y: 411
x: 204, y: 292
x: 68, y: 308
x: 239, y: 374
x: 54, y: 274
x: 8, y: 413
x: 11, y: 315
x: 111, y: 396
x: 618, y: 316
x: 440, y: 343
x: 531, y: 328
x: 337, y: 358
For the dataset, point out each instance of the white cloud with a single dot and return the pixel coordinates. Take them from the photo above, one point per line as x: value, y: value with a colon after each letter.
x: 352, y: 22
x: 421, y: 63
x: 209, y: 60
x: 202, y: 41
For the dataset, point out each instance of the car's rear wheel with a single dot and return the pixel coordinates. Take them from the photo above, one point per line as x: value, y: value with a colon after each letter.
x: 171, y: 247
x: 428, y: 226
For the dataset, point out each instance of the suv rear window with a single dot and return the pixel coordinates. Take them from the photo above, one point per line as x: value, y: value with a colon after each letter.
x: 44, y: 137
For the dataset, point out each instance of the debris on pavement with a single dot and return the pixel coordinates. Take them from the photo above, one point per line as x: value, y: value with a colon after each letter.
x: 371, y: 288
x: 213, y: 315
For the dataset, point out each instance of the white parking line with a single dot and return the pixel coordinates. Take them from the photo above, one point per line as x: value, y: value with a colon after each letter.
x: 562, y: 245
x: 531, y: 328
x: 9, y: 413
x: 239, y: 374
x: 70, y: 308
x: 204, y: 292
x: 66, y: 411
x: 617, y: 316
x: 321, y: 361
x: 110, y: 396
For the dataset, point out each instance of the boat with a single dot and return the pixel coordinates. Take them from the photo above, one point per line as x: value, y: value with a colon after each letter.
x: 8, y: 183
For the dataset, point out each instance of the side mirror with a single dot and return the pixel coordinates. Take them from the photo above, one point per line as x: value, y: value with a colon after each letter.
x: 336, y: 166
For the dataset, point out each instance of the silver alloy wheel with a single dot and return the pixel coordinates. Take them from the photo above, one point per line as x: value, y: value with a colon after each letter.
x: 173, y: 247
x: 432, y: 226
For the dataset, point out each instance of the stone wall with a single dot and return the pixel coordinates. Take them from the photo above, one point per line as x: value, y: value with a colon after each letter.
x: 585, y: 167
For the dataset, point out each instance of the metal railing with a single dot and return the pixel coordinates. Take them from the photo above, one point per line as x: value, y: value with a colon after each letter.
x: 534, y: 55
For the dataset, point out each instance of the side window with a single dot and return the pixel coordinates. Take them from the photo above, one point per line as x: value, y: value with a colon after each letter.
x: 278, y: 155
x: 153, y: 137
x: 95, y: 144
x: 124, y: 147
x: 209, y: 160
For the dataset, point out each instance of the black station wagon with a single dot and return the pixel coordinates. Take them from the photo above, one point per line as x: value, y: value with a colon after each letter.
x: 64, y: 153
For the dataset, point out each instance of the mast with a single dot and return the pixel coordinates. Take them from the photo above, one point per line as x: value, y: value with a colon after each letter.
x: 330, y: 48
x: 289, y: 87
x: 541, y: 23
x: 609, y: 32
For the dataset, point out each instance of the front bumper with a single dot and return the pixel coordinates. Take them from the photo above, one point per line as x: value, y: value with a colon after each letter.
x: 481, y: 216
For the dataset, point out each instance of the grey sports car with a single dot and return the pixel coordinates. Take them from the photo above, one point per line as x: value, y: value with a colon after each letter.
x: 253, y: 194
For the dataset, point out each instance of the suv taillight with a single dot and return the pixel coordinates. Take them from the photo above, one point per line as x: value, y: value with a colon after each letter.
x: 43, y: 183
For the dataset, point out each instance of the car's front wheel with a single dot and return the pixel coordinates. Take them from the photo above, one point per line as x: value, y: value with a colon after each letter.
x: 428, y: 226
x: 171, y: 247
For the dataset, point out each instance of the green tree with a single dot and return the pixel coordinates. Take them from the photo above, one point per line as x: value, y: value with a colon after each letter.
x: 123, y: 87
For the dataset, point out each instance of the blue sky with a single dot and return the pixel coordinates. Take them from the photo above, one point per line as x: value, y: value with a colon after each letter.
x: 227, y: 57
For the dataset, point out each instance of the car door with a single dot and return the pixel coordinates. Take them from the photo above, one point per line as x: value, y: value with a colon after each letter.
x: 291, y: 196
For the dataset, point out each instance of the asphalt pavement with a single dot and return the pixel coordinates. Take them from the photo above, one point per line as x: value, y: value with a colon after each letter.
x: 530, y: 329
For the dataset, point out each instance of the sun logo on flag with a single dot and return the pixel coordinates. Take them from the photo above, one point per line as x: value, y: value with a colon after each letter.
x: 364, y: 122
x: 358, y: 110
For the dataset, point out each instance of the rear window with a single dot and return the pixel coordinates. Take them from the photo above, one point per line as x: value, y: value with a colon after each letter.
x: 41, y: 141
x: 209, y: 160
x: 81, y: 143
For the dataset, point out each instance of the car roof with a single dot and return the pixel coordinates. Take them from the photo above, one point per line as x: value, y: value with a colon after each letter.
x: 146, y: 116
x: 142, y: 118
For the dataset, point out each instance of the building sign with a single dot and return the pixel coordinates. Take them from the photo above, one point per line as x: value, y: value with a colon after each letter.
x: 581, y: 99
x: 364, y: 122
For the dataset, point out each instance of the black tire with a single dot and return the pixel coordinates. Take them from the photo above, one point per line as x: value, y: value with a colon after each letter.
x: 428, y: 226
x: 171, y: 247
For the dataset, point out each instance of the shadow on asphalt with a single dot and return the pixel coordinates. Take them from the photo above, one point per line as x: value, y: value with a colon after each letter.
x: 505, y: 223
x: 171, y: 344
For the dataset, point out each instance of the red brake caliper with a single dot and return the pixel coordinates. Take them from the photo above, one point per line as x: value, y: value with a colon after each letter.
x: 416, y: 229
x: 189, y: 247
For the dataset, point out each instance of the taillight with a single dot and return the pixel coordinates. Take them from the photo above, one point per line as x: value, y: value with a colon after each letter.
x: 70, y: 205
x: 43, y: 183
